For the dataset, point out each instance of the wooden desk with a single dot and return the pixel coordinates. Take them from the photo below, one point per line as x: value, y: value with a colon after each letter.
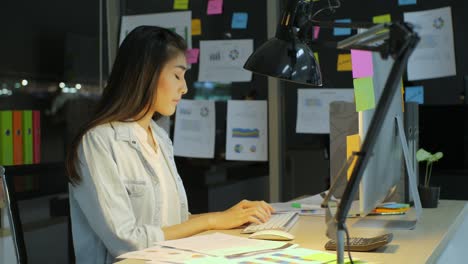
x: 425, y: 244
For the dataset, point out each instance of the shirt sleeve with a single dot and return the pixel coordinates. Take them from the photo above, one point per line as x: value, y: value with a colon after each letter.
x: 104, y: 200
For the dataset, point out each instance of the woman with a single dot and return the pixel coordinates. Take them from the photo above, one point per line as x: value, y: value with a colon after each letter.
x: 125, y: 192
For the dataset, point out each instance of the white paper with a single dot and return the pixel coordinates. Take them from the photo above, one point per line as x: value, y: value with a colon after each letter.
x: 434, y: 56
x: 158, y: 254
x: 223, y: 60
x: 313, y: 108
x: 219, y: 244
x: 246, y: 132
x: 180, y: 22
x: 194, y: 132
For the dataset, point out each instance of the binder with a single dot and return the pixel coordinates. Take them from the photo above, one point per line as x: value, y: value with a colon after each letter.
x: 6, y: 138
x: 36, y: 136
x: 27, y: 137
x: 17, y: 138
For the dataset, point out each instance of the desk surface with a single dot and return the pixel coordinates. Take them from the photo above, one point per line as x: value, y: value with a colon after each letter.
x: 424, y: 244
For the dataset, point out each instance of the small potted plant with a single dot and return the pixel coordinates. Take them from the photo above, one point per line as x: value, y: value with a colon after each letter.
x: 429, y: 194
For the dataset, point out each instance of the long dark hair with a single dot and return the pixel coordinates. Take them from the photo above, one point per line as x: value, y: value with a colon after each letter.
x: 131, y: 85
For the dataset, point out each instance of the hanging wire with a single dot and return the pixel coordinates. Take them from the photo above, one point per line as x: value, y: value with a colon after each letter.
x: 330, y: 7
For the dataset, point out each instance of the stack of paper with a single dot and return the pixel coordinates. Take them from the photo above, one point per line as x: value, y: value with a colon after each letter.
x: 391, y: 208
x: 288, y: 256
x: 206, y: 248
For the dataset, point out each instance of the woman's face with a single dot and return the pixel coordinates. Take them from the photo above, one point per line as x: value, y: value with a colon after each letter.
x: 171, y: 85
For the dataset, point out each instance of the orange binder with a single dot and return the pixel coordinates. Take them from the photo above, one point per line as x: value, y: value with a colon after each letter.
x: 36, y: 136
x: 17, y: 138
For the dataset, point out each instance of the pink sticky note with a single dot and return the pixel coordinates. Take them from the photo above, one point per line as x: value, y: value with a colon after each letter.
x: 316, y: 32
x: 192, y: 55
x: 215, y: 7
x: 362, y: 63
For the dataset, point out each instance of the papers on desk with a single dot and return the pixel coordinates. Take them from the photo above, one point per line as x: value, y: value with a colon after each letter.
x: 287, y: 256
x: 219, y: 244
x: 160, y: 254
x: 308, y: 206
x: 312, y: 206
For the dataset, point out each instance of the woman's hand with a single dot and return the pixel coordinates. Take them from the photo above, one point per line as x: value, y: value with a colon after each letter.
x: 244, y: 212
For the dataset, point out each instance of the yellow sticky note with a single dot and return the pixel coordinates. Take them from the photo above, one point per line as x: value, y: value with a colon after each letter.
x: 353, y: 144
x: 196, y: 27
x: 344, y: 62
x: 321, y: 257
x: 316, y: 57
x: 181, y: 4
x: 382, y: 19
x: 364, y: 93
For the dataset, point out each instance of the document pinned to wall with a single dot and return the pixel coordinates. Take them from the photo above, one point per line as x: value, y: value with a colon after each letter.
x: 194, y: 132
x: 434, y: 56
x: 246, y: 132
x: 313, y: 108
x: 223, y: 60
x: 180, y: 22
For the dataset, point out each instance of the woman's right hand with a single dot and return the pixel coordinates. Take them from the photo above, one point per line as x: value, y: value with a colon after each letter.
x: 244, y: 212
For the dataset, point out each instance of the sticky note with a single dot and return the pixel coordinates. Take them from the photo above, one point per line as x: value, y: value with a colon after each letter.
x: 321, y: 257
x: 239, y: 20
x: 353, y: 144
x: 215, y: 7
x: 362, y: 63
x: 364, y: 93
x: 196, y: 27
x: 316, y: 32
x: 344, y: 62
x: 192, y: 55
x: 382, y: 19
x: 406, y: 2
x: 181, y: 4
x: 329, y: 258
x: 414, y: 94
x: 316, y: 57
x: 342, y: 31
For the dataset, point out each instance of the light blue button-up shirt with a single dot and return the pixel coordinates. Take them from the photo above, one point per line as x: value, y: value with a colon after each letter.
x: 116, y: 207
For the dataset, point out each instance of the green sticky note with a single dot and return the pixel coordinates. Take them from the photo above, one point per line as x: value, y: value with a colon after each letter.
x: 382, y: 19
x: 329, y: 258
x: 181, y: 4
x: 364, y: 93
x: 322, y: 257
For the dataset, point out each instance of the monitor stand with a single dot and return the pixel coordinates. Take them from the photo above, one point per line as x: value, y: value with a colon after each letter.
x: 384, y: 223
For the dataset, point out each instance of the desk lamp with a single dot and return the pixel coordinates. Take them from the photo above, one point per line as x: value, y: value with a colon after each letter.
x: 289, y: 56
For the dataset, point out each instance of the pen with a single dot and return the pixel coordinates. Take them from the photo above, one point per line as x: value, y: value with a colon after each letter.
x: 306, y: 206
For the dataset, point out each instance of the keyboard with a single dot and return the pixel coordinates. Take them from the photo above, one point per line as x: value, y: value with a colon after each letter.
x: 281, y: 221
x: 363, y: 243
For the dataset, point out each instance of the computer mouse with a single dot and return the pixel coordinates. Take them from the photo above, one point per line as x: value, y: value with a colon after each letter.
x: 272, y: 234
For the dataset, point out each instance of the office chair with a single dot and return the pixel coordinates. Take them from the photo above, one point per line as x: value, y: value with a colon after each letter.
x: 13, y: 215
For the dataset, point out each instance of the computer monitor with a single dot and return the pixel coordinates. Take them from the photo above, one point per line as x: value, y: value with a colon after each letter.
x: 384, y: 170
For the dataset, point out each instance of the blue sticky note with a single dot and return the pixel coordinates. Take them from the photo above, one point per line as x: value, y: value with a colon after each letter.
x: 342, y: 31
x: 239, y: 20
x: 414, y: 94
x: 406, y: 2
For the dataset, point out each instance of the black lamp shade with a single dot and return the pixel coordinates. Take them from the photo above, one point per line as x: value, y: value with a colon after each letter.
x: 289, y: 60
